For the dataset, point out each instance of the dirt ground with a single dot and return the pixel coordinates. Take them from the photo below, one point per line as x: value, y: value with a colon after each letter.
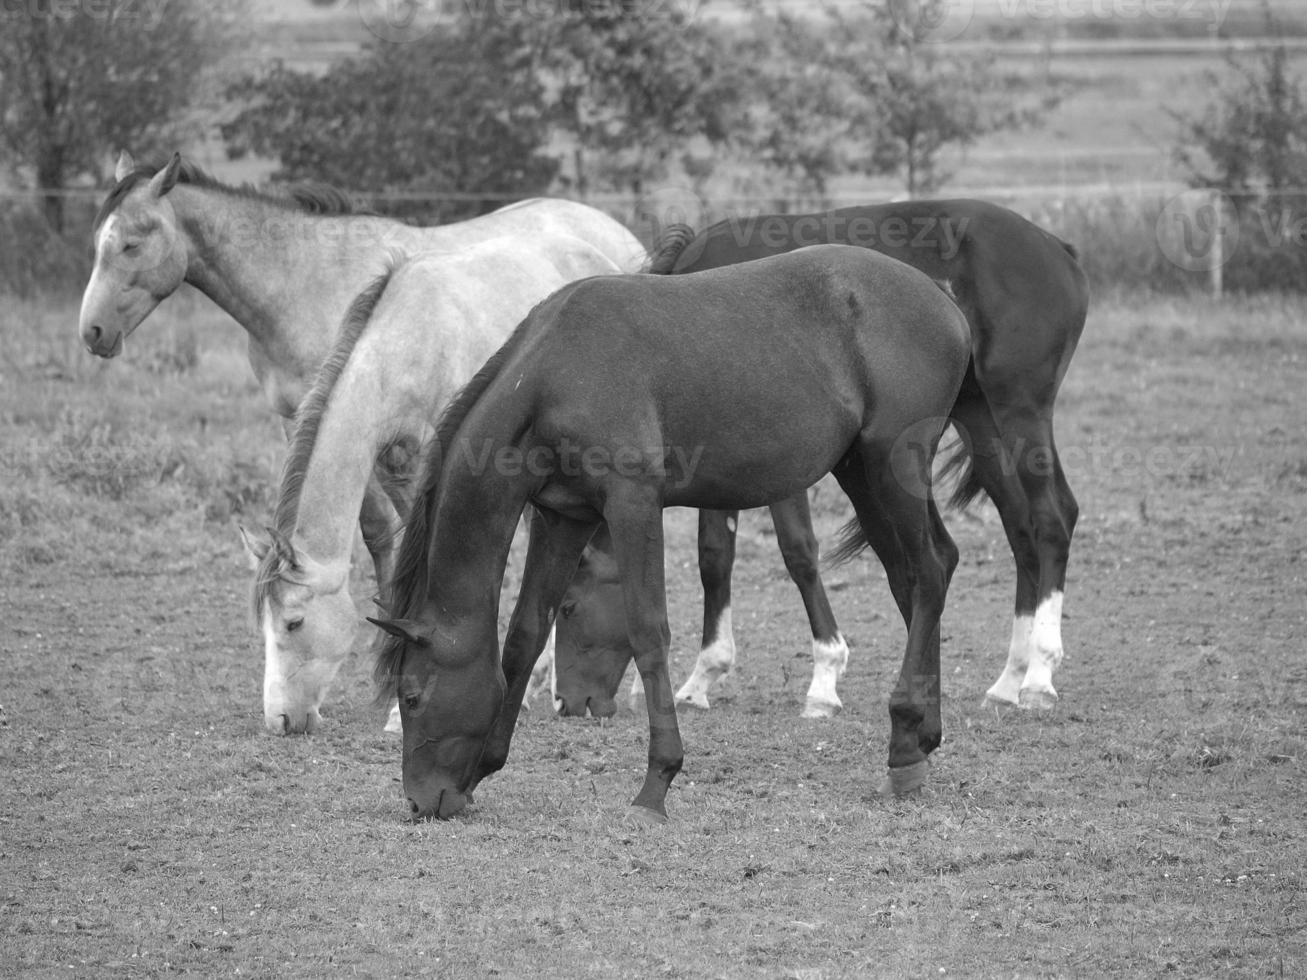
x: 1153, y: 824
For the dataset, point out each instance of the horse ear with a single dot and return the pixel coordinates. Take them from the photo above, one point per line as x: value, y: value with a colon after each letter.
x: 166, y: 179
x: 257, y: 545
x: 124, y: 166
x: 405, y: 629
x: 285, y: 550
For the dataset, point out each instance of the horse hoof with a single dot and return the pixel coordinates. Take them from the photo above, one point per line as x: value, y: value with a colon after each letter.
x: 642, y: 816
x: 698, y: 701
x: 904, y: 781
x: 992, y: 700
x: 820, y: 709
x: 1033, y: 700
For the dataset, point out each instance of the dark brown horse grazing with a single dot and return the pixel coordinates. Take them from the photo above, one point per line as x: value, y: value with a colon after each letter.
x: 1025, y: 298
x: 619, y: 396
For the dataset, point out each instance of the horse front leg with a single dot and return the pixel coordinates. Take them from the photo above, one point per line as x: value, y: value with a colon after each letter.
x: 552, y: 555
x: 635, y: 521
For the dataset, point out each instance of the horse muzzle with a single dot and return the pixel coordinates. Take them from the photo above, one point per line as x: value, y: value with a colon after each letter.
x: 103, y: 343
x: 597, y: 707
x: 289, y: 722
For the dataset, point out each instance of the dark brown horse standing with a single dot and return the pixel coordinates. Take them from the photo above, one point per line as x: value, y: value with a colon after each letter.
x: 1025, y: 298
x: 621, y: 395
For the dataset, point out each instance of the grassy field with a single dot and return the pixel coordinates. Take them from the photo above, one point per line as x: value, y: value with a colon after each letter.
x: 1152, y: 825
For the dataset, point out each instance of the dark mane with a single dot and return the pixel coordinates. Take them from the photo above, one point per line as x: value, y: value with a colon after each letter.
x: 408, y: 584
x: 308, y: 419
x: 309, y: 198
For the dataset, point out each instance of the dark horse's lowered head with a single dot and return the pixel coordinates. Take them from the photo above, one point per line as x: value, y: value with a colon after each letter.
x: 621, y: 395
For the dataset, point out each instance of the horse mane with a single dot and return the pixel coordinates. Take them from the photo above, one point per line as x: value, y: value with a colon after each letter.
x: 668, y: 248
x: 308, y: 420
x: 408, y: 582
x: 309, y: 197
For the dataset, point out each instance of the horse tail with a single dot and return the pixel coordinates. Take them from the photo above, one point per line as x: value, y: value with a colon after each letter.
x: 958, y: 464
x: 852, y: 542
x: 668, y: 248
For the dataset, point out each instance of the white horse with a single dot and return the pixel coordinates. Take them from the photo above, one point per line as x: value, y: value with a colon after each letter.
x: 429, y: 325
x: 286, y: 269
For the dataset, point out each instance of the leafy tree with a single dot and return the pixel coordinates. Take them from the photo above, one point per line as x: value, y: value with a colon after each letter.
x: 804, y: 100
x: 929, y: 97
x: 79, y: 81
x: 452, y: 114
x: 1252, y: 136
x: 630, y: 86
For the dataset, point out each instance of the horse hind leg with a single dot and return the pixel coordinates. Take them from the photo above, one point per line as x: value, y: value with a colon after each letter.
x: 902, y: 525
x: 1023, y: 475
x: 830, y: 653
x: 992, y: 472
x: 717, y: 651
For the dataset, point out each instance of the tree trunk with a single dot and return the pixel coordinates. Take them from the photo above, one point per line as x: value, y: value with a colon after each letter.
x: 50, y: 182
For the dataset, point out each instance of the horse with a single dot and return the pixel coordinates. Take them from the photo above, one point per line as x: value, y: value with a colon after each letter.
x: 621, y: 395
x: 430, y: 325
x: 284, y: 268
x: 1025, y: 298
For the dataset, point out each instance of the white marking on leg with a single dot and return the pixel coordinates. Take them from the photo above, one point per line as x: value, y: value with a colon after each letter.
x: 1007, y: 688
x: 829, y: 658
x: 715, y: 660
x: 1045, y: 654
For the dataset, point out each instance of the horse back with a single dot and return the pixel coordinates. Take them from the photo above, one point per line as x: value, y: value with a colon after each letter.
x: 1021, y: 288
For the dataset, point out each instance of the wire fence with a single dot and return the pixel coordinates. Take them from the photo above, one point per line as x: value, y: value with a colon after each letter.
x: 1157, y: 235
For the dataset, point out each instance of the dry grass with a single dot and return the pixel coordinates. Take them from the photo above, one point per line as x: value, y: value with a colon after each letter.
x: 1152, y: 825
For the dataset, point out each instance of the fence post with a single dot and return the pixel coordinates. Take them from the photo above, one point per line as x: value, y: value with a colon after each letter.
x: 1216, y: 254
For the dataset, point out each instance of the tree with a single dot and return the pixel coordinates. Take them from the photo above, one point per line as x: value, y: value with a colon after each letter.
x: 79, y: 81
x: 1254, y: 131
x: 631, y: 86
x: 928, y: 97
x: 803, y: 100
x: 455, y: 114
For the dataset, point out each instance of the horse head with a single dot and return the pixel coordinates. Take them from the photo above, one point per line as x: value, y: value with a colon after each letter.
x: 450, y: 693
x: 140, y: 256
x: 592, y: 646
x: 308, y: 622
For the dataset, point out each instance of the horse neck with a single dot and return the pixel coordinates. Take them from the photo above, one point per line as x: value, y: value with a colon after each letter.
x: 284, y: 275
x: 350, y: 434
x: 485, y: 486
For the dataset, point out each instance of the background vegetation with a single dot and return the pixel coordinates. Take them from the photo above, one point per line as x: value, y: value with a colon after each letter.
x: 642, y: 108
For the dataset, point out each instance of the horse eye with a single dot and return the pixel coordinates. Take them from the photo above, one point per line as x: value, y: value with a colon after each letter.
x: 411, y: 701
x: 294, y: 624
x: 567, y: 609
x: 131, y: 247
